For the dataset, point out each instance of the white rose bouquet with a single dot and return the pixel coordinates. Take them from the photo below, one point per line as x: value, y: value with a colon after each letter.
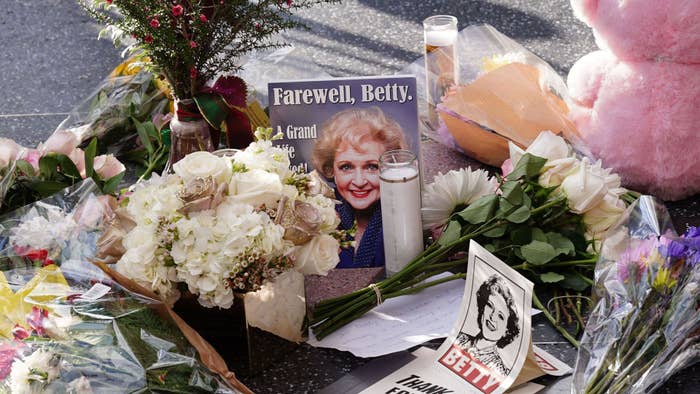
x: 224, y: 225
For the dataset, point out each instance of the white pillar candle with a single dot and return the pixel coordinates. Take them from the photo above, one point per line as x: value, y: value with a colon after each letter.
x: 401, y: 202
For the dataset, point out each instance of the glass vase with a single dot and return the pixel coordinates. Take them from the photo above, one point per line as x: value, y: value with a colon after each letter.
x: 189, y: 132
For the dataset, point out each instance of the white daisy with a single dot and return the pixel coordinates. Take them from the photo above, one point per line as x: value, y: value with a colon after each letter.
x: 452, y: 190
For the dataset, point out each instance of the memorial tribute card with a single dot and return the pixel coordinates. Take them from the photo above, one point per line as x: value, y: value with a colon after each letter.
x: 304, y: 110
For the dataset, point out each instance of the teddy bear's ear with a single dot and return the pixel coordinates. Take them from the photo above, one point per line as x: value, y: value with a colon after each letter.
x: 585, y: 10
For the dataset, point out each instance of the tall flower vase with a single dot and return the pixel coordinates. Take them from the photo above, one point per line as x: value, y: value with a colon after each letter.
x: 189, y: 132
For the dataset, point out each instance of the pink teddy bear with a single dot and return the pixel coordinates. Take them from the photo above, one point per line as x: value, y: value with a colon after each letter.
x: 637, y: 101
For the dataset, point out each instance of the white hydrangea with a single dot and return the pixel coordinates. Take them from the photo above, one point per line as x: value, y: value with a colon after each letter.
x: 155, y: 199
x: 263, y: 155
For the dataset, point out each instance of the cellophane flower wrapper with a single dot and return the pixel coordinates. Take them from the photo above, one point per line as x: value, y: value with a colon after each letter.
x: 83, y: 335
x: 118, y: 340
x: 504, y: 93
x: 645, y: 324
x: 129, y: 92
x: 62, y: 229
x: 7, y: 178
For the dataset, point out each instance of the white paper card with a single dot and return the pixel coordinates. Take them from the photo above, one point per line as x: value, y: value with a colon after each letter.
x: 97, y: 291
x: 399, y: 323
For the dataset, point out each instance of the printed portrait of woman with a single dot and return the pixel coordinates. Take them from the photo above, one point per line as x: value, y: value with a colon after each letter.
x: 347, y: 154
x: 498, y: 324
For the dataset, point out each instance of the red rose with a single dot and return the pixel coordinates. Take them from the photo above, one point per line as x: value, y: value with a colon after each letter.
x: 37, y: 254
x: 177, y: 10
x: 193, y: 44
x: 203, y: 18
x: 193, y: 73
x: 148, y: 39
x: 154, y: 23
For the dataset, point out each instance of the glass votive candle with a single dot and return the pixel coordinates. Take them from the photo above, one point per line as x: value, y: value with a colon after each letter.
x: 441, y: 62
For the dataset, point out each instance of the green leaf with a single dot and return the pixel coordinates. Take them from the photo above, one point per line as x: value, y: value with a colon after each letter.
x: 538, y: 235
x: 26, y: 168
x: 561, y: 244
x: 143, y: 136
x: 451, y: 233
x: 47, y: 188
x: 47, y: 166
x: 68, y: 168
x: 528, y: 166
x: 481, y: 210
x: 111, y: 184
x: 538, y: 253
x: 490, y: 247
x: 521, y: 235
x: 497, y: 231
x: 551, y: 277
x: 504, y: 208
x: 90, y: 152
x: 520, y: 215
x: 513, y: 192
x: 573, y: 280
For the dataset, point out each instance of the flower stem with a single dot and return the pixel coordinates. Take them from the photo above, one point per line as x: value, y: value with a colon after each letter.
x: 549, y: 317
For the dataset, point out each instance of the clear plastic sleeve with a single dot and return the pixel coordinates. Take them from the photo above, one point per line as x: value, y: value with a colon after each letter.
x: 127, y: 93
x: 645, y: 325
x: 504, y: 93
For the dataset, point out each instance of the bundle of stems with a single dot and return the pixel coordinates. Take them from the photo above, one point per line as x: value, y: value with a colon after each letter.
x: 331, y: 314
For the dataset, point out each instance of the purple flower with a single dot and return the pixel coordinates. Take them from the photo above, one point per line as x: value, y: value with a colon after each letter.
x: 692, y: 258
x: 672, y: 249
x: 692, y: 232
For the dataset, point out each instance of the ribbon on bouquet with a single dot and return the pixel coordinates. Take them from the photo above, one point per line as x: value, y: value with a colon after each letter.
x: 223, y: 106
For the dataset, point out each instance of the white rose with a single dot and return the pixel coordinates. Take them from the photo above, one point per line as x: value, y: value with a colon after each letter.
x: 8, y: 151
x: 201, y: 165
x: 317, y: 256
x: 554, y: 171
x: 602, y: 216
x: 256, y: 187
x: 584, y: 187
x: 549, y: 146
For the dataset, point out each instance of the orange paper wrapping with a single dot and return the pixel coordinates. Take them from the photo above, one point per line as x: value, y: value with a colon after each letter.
x: 506, y: 104
x: 208, y: 355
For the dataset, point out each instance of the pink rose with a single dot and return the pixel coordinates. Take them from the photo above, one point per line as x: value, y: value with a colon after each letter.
x: 107, y: 166
x: 8, y: 151
x: 77, y: 156
x: 506, y: 167
x: 32, y: 157
x: 61, y: 141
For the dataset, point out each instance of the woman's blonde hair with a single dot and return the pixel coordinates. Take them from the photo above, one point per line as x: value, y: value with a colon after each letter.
x: 352, y: 126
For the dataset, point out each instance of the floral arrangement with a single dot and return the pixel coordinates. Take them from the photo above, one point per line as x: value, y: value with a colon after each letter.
x: 78, y: 336
x: 225, y: 224
x: 192, y: 42
x: 33, y: 174
x: 545, y: 218
x: 646, y: 323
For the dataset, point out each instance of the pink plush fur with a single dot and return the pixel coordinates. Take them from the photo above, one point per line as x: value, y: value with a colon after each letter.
x: 644, y: 29
x: 641, y: 118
